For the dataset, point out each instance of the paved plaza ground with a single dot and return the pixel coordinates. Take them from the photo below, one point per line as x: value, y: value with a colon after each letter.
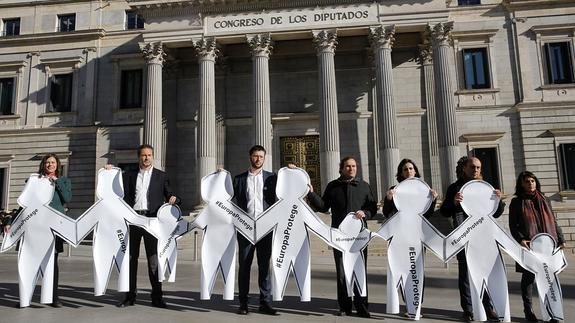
x: 441, y: 302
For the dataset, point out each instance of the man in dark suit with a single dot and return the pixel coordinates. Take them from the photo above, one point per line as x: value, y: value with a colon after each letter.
x: 145, y: 191
x: 254, y: 192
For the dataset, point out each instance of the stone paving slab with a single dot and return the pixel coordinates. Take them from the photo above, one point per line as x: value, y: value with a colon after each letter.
x: 441, y: 302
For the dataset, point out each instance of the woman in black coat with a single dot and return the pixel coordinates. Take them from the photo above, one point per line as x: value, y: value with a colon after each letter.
x: 530, y: 213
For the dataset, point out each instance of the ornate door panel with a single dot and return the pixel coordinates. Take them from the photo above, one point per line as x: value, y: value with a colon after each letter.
x: 303, y: 151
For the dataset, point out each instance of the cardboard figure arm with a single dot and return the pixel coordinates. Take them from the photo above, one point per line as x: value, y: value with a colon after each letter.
x: 200, y: 221
x: 243, y: 222
x: 386, y: 230
x: 132, y: 217
x: 509, y: 244
x: 452, y: 245
x: 316, y: 225
x: 267, y: 221
x: 433, y: 239
x: 16, y: 231
x: 64, y: 226
x: 88, y: 220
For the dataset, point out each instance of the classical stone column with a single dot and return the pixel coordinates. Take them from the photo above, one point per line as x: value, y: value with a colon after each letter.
x: 382, y: 40
x: 153, y: 119
x: 206, y: 150
x: 425, y: 58
x: 325, y: 42
x: 444, y: 100
x: 261, y: 47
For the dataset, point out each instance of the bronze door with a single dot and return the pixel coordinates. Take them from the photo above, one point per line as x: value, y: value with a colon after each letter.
x: 303, y: 151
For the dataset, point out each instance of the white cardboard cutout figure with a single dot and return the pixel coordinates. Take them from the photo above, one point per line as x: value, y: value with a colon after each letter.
x: 219, y: 220
x: 546, y: 262
x: 109, y: 217
x: 288, y: 219
x: 351, y: 237
x: 36, y: 225
x: 409, y: 234
x: 481, y: 237
x: 168, y: 227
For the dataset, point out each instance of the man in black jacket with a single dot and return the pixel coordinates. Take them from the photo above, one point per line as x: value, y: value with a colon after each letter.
x: 255, y: 192
x: 344, y: 195
x: 146, y: 190
x: 468, y: 169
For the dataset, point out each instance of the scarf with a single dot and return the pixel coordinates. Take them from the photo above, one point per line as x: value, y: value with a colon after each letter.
x: 537, y: 215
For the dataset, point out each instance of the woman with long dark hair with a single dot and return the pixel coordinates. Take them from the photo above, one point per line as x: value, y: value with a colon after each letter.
x: 406, y: 169
x: 50, y: 167
x: 530, y: 213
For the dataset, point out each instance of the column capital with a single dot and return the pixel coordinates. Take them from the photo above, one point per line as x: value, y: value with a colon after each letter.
x: 426, y: 48
x: 440, y: 34
x: 207, y: 48
x: 325, y: 40
x: 260, y: 44
x: 154, y: 53
x: 382, y: 36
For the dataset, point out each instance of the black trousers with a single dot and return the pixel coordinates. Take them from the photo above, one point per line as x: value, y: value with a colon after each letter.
x: 246, y: 257
x: 151, y: 245
x: 464, y: 289
x: 527, y: 280
x: 56, y: 278
x: 344, y: 301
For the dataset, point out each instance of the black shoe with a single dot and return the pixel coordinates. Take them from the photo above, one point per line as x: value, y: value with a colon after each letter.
x: 266, y: 308
x: 243, y: 310
x: 553, y: 321
x: 530, y: 316
x: 492, y: 316
x: 364, y: 314
x: 128, y: 301
x: 343, y: 313
x: 467, y: 316
x: 159, y: 302
x: 56, y: 304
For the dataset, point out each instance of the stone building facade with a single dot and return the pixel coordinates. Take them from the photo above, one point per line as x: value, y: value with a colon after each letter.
x: 311, y: 80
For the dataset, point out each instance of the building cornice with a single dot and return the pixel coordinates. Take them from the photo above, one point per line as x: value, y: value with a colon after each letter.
x: 534, y: 4
x: 54, y: 37
x: 153, y: 8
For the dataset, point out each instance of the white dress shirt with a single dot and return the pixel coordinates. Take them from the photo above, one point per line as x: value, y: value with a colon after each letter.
x: 255, y: 193
x: 142, y: 184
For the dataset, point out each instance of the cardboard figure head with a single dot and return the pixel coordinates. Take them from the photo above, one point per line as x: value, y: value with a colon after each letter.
x: 408, y: 193
x: 169, y: 214
x: 543, y: 244
x: 212, y: 186
x: 42, y: 193
x: 110, y: 183
x: 474, y: 201
x: 351, y: 225
x: 298, y: 183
